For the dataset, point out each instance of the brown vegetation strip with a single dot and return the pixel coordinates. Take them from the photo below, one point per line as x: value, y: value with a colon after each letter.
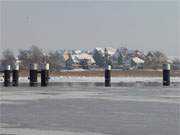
x: 131, y: 73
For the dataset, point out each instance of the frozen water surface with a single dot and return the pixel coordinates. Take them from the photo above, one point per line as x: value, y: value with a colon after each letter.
x: 85, y: 109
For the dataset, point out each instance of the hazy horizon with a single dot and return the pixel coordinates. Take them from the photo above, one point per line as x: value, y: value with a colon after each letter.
x: 141, y: 25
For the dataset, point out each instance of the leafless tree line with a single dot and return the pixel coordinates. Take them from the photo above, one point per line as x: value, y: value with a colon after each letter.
x: 32, y: 55
x: 153, y: 60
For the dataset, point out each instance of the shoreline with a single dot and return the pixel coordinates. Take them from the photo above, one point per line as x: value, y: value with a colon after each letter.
x: 100, y: 73
x: 95, y: 79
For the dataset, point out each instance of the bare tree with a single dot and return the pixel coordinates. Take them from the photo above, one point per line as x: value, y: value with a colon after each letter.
x: 176, y: 61
x: 56, y: 60
x: 7, y: 58
x: 34, y: 55
x: 155, y: 60
x: 24, y: 57
x: 176, y: 64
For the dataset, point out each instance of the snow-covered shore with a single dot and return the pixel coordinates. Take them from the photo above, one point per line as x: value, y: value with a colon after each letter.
x: 100, y: 79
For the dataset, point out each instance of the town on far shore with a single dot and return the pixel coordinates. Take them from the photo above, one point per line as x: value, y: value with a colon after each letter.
x: 120, y: 58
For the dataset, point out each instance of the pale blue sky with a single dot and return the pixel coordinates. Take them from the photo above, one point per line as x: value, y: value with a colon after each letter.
x: 142, y: 25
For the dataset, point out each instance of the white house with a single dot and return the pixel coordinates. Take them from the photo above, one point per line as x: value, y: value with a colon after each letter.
x: 82, y: 60
x: 137, y: 62
x: 124, y: 58
x: 101, y: 51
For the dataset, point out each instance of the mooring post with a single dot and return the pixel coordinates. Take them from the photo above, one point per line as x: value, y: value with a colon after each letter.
x: 15, y: 75
x: 44, y: 74
x: 166, y: 74
x: 7, y: 75
x: 33, y: 74
x: 108, y: 76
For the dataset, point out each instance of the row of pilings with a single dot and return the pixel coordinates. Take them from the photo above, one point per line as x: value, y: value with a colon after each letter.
x: 33, y: 75
x: 166, y: 75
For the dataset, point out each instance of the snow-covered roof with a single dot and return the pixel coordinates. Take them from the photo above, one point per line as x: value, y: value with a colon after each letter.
x: 100, y: 50
x: 110, y: 50
x: 137, y: 60
x: 75, y: 58
x: 84, y: 56
x: 77, y: 51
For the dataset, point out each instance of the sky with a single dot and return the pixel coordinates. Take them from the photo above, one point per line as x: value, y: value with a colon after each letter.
x: 54, y: 25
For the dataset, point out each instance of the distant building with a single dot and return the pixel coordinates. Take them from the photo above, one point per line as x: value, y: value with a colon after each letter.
x: 83, y: 60
x: 110, y: 51
x: 66, y: 55
x: 127, y: 59
x: 76, y: 52
x: 137, y: 63
x: 99, y: 55
x: 98, y: 50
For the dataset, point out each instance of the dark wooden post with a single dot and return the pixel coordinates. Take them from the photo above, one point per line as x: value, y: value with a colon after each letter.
x: 33, y: 74
x: 7, y: 76
x: 45, y: 74
x: 108, y: 76
x: 15, y: 75
x: 166, y: 74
